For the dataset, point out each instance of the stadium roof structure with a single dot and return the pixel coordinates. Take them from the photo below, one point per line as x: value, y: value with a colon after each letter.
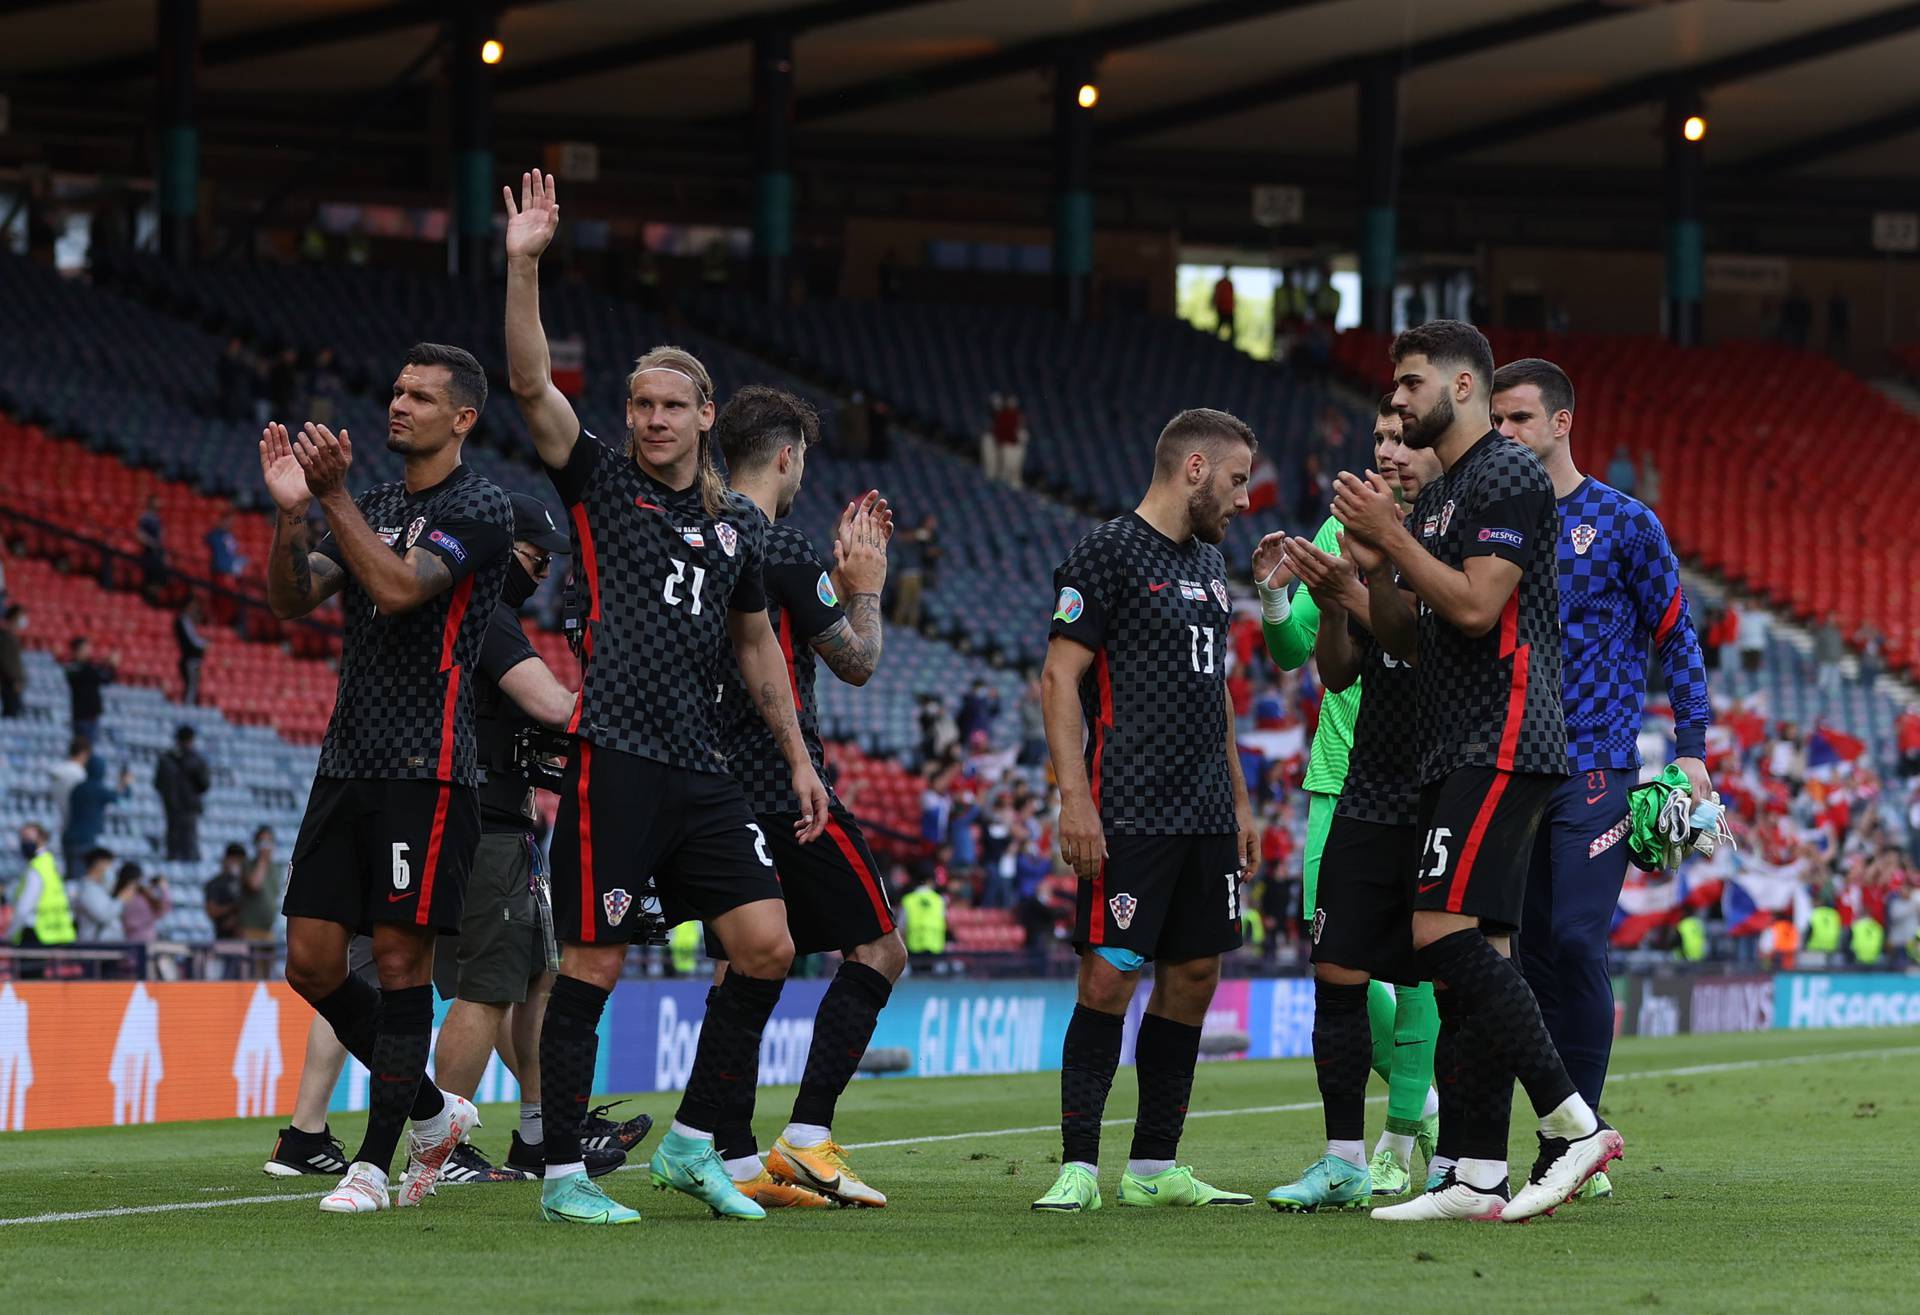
x: 939, y: 93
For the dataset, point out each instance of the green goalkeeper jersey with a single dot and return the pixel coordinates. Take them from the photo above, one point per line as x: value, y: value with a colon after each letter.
x: 1291, y: 643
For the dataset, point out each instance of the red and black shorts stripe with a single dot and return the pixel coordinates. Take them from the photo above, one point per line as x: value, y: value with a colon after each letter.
x: 624, y: 819
x: 836, y: 894
x: 372, y: 850
x: 1477, y: 829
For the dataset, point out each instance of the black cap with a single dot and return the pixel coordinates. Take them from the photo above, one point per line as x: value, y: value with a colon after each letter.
x: 533, y: 523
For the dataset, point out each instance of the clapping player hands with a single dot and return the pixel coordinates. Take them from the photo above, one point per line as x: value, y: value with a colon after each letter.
x: 1271, y: 568
x: 1366, y: 506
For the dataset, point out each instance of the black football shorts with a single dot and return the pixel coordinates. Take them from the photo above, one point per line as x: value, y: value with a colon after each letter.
x: 1365, y: 916
x: 1163, y: 897
x: 836, y: 895
x: 622, y: 818
x: 373, y: 850
x: 1477, y: 827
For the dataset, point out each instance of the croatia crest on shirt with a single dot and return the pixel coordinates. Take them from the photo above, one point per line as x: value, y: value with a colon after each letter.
x: 728, y: 536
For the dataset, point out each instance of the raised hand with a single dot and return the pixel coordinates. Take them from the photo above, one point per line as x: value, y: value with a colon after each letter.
x: 1325, y: 576
x: 532, y: 224
x: 860, y: 554
x: 1271, y: 569
x: 324, y: 458
x: 286, y: 481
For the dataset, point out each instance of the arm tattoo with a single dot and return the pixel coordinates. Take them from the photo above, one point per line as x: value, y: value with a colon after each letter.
x: 851, y: 649
x: 302, y: 568
x: 776, y: 709
x: 430, y: 574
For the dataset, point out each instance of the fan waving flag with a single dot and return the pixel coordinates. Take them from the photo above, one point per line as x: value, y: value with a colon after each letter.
x: 1263, y: 489
x: 1827, y: 746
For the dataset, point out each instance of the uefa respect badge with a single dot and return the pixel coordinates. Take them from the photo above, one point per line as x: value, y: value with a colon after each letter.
x: 1069, y: 606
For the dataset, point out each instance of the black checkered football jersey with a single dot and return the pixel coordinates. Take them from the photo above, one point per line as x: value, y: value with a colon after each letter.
x: 657, y: 579
x: 1493, y: 701
x: 1155, y: 613
x: 1380, y: 785
x: 405, y: 705
x: 802, y: 605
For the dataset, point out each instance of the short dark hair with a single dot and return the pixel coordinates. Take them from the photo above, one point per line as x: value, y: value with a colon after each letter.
x: 1556, y: 390
x: 1198, y: 425
x: 753, y: 427
x: 13, y: 611
x: 1386, y: 407
x: 235, y: 850
x: 469, y: 386
x: 78, y: 745
x: 1448, y: 342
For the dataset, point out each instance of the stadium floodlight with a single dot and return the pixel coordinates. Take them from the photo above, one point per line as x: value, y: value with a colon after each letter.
x: 1694, y: 128
x: 491, y: 51
x: 1089, y: 95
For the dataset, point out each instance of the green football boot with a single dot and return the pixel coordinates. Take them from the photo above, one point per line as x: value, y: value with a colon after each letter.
x: 690, y: 1165
x: 1074, y: 1191
x: 1390, y: 1176
x: 1596, y: 1188
x: 577, y: 1199
x: 1329, y: 1183
x: 1175, y: 1186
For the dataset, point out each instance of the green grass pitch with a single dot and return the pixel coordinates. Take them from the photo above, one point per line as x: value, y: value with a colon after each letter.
x: 1763, y: 1172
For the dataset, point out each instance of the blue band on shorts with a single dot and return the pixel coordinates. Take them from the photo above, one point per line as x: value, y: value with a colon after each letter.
x: 1127, y: 961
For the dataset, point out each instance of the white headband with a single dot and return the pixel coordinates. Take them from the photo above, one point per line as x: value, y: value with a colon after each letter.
x: 682, y: 373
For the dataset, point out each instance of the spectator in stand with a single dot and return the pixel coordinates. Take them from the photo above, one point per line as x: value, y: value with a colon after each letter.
x: 324, y: 387
x: 151, y: 534
x: 978, y: 711
x: 96, y: 913
x: 259, y: 913
x: 193, y: 649
x: 13, y: 666
x: 1839, y: 324
x: 224, y: 562
x: 1829, y: 647
x: 936, y: 806
x: 87, y: 809
x: 283, y: 382
x: 1649, y: 481
x: 1717, y: 634
x: 181, y: 778
x: 1223, y: 321
x: 143, y: 902
x: 1906, y: 730
x: 67, y: 773
x: 1003, y: 448
x: 221, y: 898
x: 938, y: 732
x: 910, y: 577
x: 85, y: 677
x: 1871, y: 661
x: 1753, y: 626
x: 1620, y: 472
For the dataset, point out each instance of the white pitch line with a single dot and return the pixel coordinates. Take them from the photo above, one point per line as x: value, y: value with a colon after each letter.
x: 1298, y: 1107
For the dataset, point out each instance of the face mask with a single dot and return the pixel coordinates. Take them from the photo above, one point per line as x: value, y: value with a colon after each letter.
x: 28, y: 849
x: 519, y: 586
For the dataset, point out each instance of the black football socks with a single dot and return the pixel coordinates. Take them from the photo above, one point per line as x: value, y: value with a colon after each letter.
x: 569, y: 1045
x: 1087, y: 1064
x: 841, y: 1032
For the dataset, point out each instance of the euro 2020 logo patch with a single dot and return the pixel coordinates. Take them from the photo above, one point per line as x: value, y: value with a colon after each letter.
x: 1123, y: 906
x: 616, y: 902
x: 729, y: 540
x: 825, y: 591
x: 1070, y: 605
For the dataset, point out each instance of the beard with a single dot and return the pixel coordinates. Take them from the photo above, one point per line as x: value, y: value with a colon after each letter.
x: 1422, y: 432
x: 1205, y: 515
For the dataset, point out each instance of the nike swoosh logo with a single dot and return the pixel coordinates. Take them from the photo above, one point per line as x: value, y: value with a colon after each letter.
x: 1150, y: 1191
x: 644, y: 505
x: 407, y: 894
x: 1431, y: 885
x: 1156, y: 588
x: 1398, y: 1044
x: 1596, y: 798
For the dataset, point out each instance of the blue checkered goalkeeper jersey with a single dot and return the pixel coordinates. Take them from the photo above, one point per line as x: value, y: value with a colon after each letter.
x: 1620, y: 595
